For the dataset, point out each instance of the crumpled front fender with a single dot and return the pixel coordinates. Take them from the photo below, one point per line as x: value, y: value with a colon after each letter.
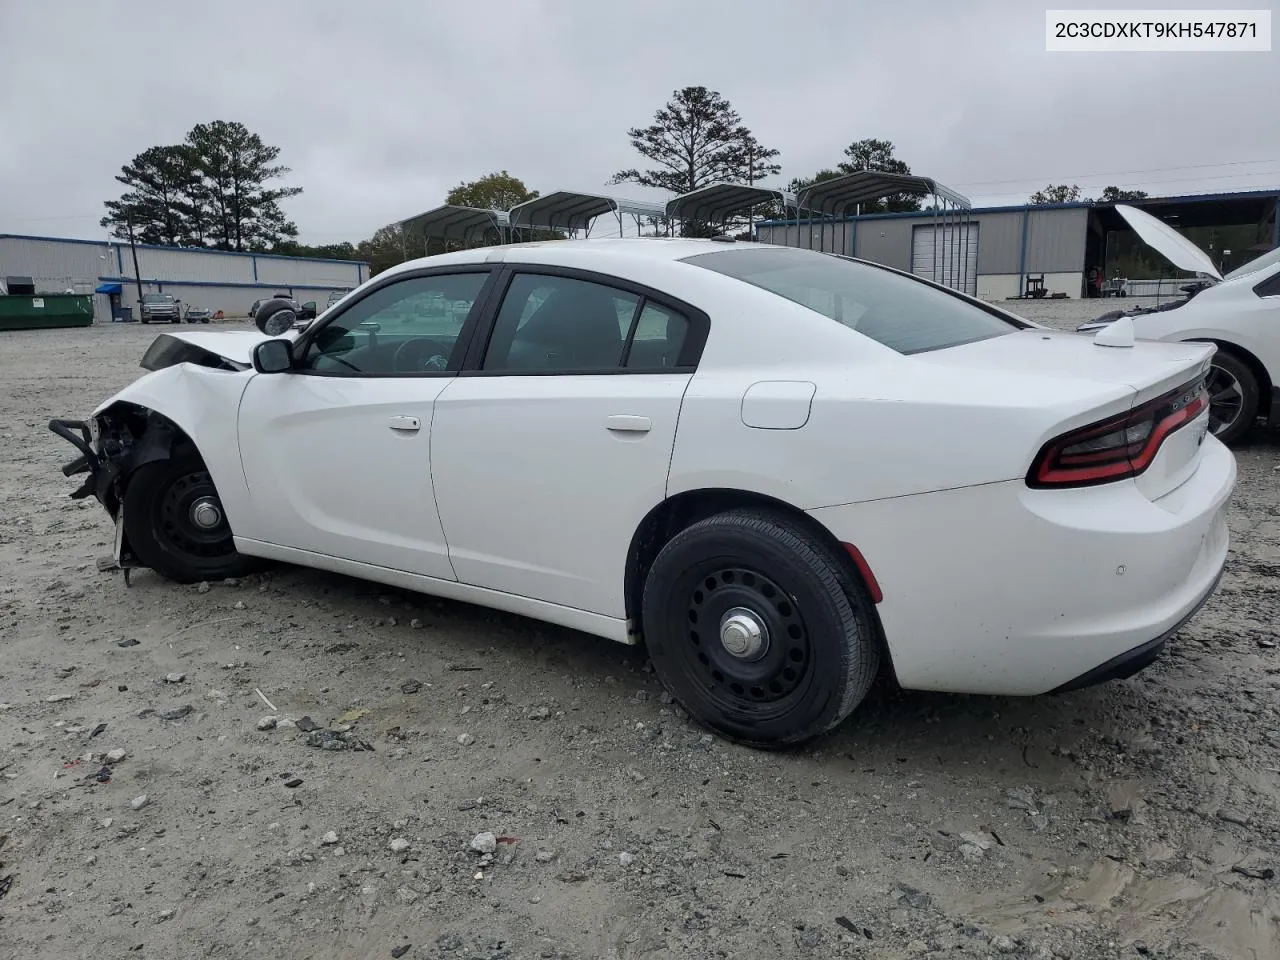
x: 144, y: 421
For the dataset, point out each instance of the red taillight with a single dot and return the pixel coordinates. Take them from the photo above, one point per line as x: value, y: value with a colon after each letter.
x: 1119, y: 447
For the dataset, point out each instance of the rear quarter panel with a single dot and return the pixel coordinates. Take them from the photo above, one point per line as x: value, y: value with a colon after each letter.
x: 1234, y: 315
x: 888, y: 428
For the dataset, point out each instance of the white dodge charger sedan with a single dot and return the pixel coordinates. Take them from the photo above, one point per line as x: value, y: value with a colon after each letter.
x: 781, y: 470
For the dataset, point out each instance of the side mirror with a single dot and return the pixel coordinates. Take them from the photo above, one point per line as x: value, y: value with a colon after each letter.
x: 308, y: 310
x: 273, y: 356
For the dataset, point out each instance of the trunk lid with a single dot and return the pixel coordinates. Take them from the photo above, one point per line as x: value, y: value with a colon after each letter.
x: 1136, y: 374
x: 1149, y: 367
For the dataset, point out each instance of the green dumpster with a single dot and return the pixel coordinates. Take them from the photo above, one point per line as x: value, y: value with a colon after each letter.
x: 45, y: 311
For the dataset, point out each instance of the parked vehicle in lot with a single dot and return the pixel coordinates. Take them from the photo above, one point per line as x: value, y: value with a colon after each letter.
x: 779, y: 469
x: 1240, y: 313
x: 160, y: 307
x: 253, y: 308
x: 197, y: 314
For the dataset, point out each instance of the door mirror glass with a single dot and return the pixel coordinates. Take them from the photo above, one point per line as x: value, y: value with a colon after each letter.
x: 308, y: 311
x: 273, y: 356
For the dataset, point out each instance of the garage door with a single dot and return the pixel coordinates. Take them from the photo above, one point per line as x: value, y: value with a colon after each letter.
x: 947, y: 254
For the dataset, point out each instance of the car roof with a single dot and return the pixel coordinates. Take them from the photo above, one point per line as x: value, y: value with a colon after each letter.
x: 601, y: 250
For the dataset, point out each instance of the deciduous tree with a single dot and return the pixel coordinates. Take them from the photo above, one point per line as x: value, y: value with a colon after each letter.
x: 1055, y: 193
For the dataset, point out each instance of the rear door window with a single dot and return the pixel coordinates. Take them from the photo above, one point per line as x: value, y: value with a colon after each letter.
x: 900, y: 311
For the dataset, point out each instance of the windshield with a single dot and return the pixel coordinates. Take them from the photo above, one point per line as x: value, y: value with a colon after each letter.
x: 156, y: 298
x: 901, y: 312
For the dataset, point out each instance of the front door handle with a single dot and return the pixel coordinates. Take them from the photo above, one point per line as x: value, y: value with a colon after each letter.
x: 405, y: 424
x: 628, y: 424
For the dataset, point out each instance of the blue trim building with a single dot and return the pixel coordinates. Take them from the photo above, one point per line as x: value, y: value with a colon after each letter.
x: 212, y: 279
x: 1008, y: 246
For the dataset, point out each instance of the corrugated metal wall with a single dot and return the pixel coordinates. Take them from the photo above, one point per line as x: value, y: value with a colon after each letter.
x: 1055, y: 240
x: 56, y: 262
x: 279, y: 270
x: 835, y: 238
x: 221, y: 281
x: 887, y: 241
x: 1001, y: 247
x: 174, y: 265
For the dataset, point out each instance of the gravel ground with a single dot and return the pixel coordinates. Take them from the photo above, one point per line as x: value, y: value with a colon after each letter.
x: 511, y: 790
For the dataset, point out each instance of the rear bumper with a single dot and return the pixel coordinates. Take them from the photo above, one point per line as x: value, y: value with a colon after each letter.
x: 1139, y: 658
x: 1000, y: 589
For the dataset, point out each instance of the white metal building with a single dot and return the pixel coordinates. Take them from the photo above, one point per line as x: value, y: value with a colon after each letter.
x: 211, y: 279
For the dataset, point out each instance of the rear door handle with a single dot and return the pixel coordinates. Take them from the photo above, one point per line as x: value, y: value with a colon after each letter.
x: 405, y: 424
x: 628, y: 424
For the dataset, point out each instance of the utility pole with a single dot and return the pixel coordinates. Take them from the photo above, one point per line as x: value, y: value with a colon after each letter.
x: 137, y: 274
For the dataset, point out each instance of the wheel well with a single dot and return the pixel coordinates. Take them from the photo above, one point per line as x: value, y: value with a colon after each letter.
x: 134, y: 435
x: 685, y: 509
x: 1253, y: 363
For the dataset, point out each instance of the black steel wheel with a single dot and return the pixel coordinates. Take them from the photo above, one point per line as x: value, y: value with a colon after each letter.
x: 175, y: 522
x: 758, y: 629
x: 1233, y: 396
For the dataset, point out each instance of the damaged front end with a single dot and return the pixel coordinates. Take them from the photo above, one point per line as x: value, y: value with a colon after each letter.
x: 197, y: 379
x: 112, y: 445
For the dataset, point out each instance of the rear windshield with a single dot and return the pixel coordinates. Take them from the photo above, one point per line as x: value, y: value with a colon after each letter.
x: 901, y: 312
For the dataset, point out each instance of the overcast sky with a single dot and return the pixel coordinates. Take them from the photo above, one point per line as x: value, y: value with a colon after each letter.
x: 381, y: 106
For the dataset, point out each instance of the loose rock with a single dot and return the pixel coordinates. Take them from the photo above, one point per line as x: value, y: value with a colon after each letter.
x: 1233, y: 816
x: 268, y: 723
x: 177, y: 713
x: 411, y: 686
x: 330, y: 838
x: 140, y: 801
x: 466, y: 739
x: 116, y: 755
x: 484, y: 843
x: 399, y: 845
x: 174, y: 677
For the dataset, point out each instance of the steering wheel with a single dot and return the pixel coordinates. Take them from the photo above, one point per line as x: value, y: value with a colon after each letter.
x: 420, y: 354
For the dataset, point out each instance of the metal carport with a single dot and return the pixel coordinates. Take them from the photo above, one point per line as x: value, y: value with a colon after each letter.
x: 717, y: 202
x: 570, y: 212
x: 450, y: 223
x: 837, y: 199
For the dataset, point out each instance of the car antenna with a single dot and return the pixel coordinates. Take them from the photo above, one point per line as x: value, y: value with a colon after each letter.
x: 1117, y: 334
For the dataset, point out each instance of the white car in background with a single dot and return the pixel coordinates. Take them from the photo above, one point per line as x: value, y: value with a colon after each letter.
x: 1240, y: 313
x: 777, y: 468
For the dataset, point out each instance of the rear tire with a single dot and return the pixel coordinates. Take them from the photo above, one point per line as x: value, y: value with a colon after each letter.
x: 1235, y: 387
x: 758, y: 630
x: 175, y: 522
